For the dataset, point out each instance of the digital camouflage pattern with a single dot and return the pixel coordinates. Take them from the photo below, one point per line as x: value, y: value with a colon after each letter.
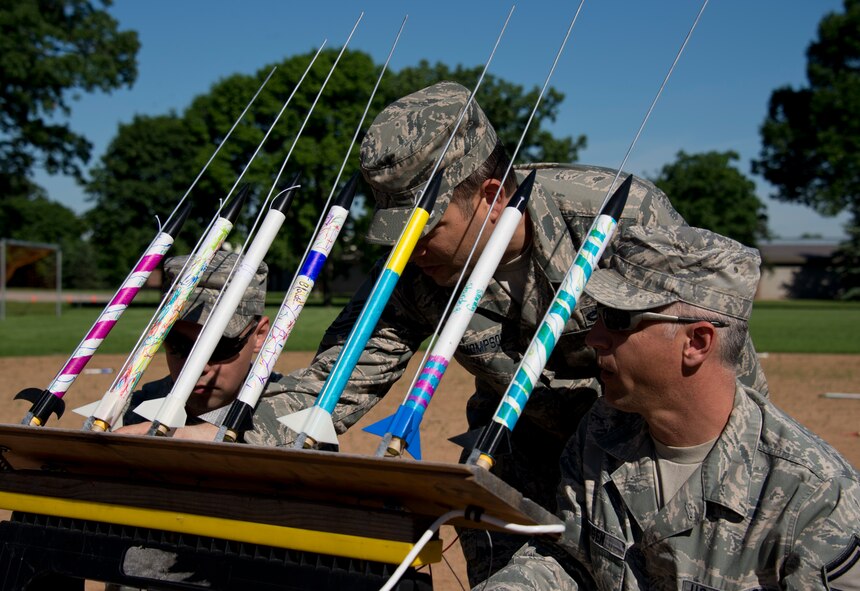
x: 563, y: 204
x: 657, y: 266
x: 403, y: 145
x: 771, y: 507
x: 202, y: 300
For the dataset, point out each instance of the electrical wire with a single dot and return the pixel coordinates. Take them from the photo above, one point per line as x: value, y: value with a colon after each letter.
x: 431, y: 531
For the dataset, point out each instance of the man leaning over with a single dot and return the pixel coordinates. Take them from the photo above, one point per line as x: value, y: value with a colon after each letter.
x: 679, y: 477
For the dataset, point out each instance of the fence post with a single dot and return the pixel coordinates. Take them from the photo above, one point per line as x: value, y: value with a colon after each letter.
x: 3, y: 279
x: 59, y: 281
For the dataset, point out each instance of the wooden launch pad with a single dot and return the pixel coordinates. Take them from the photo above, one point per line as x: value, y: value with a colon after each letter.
x: 140, y: 496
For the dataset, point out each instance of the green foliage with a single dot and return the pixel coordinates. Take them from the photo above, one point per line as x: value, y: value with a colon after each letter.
x: 846, y: 264
x: 151, y: 161
x: 710, y: 193
x: 50, y: 50
x: 811, y: 136
x: 143, y: 174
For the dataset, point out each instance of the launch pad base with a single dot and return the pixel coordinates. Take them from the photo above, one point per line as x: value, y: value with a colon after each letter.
x: 151, y: 512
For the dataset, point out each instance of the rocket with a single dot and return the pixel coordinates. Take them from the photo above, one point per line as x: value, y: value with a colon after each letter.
x: 528, y: 374
x: 315, y: 424
x: 401, y: 430
x: 239, y: 414
x: 169, y: 412
x: 108, y: 411
x: 50, y: 400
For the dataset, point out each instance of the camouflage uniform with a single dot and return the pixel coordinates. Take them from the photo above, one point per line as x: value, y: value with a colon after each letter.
x: 397, y: 159
x: 771, y: 505
x: 492, y: 346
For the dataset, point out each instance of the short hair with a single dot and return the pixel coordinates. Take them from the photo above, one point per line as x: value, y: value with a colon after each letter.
x: 494, y: 167
x: 733, y: 336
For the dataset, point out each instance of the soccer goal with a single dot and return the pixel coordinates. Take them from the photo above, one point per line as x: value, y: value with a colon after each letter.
x: 17, y: 254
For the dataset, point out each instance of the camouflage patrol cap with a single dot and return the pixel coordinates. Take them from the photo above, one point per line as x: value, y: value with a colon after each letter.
x: 657, y: 265
x: 202, y: 299
x: 403, y: 144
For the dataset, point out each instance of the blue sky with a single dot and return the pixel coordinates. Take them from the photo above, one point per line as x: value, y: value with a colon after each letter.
x: 610, y: 71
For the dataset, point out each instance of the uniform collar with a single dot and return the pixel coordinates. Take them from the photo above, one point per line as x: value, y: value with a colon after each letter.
x: 552, y: 246
x: 552, y: 254
x: 727, y: 472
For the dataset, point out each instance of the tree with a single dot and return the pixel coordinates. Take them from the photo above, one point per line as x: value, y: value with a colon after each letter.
x: 846, y: 264
x: 811, y: 136
x: 318, y: 153
x: 50, y: 50
x: 710, y: 193
x: 143, y: 174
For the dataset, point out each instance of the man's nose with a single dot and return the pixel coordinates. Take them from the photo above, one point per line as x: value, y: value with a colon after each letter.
x: 208, y: 368
x: 598, y: 337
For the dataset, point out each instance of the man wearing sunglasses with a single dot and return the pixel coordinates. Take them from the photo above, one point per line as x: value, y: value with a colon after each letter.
x: 229, y: 363
x: 679, y: 477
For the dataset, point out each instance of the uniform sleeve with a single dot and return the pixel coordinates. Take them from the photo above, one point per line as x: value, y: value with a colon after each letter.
x: 826, y: 551
x: 398, y: 334
x: 530, y: 569
x: 545, y: 565
x: 571, y: 494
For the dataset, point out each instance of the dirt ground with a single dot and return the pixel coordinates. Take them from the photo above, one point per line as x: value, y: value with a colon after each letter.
x: 797, y: 383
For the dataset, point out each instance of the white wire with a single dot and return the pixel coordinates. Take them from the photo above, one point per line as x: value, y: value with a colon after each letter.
x: 223, y: 141
x: 422, y: 541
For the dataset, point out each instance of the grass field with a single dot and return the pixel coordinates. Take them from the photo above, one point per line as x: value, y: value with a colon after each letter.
x: 34, y: 329
x: 806, y: 326
x: 777, y: 327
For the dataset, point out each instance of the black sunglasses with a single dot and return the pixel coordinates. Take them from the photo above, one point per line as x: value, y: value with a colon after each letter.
x: 627, y: 321
x: 227, y: 348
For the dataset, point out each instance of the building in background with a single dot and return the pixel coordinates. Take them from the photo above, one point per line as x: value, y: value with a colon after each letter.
x: 797, y: 269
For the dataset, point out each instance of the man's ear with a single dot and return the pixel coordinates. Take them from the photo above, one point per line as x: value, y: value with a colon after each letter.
x: 488, y: 192
x: 701, y: 343
x: 260, y: 334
